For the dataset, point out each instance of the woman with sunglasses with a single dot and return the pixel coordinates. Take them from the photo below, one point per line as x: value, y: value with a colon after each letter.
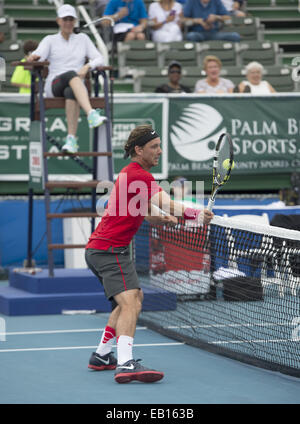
x: 173, y: 85
x: 67, y: 53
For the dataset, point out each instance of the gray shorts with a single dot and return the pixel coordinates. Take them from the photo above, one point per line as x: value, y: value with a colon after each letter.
x: 114, y: 268
x: 60, y: 85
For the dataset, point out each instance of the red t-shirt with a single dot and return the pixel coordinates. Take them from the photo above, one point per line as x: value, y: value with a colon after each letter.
x: 126, y: 209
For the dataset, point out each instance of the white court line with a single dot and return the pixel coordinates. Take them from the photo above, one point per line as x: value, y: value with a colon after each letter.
x: 83, y: 330
x: 35, y: 349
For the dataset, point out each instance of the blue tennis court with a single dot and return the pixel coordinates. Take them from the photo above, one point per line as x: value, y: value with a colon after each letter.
x: 44, y: 360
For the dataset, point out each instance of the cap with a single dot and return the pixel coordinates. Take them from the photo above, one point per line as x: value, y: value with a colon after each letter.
x: 174, y: 63
x: 66, y: 10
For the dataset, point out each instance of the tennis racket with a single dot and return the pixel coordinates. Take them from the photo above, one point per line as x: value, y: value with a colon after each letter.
x: 222, y: 166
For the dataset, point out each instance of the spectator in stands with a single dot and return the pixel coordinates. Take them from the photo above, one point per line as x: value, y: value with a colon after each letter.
x: 130, y: 17
x: 213, y: 83
x: 22, y: 77
x: 234, y: 7
x: 165, y: 16
x: 254, y: 83
x: 173, y: 86
x: 205, y: 17
x: 67, y: 53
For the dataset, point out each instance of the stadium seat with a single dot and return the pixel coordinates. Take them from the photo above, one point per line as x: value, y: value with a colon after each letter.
x: 249, y: 27
x: 6, y: 87
x: 4, y: 24
x: 193, y: 71
x: 9, y: 71
x: 149, y: 84
x: 146, y: 79
x: 136, y: 54
x: 234, y: 73
x: 11, y: 50
x: 224, y: 50
x: 280, y: 77
x: 287, y: 2
x: 186, y: 52
x: 8, y: 27
x: 190, y: 75
x: 265, y: 52
x: 259, y: 2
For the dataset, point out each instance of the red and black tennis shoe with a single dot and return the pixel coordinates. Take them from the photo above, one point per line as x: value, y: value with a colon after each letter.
x: 133, y: 370
x: 101, y: 363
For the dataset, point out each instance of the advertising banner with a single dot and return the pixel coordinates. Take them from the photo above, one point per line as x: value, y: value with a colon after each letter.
x: 265, y: 132
x: 128, y: 113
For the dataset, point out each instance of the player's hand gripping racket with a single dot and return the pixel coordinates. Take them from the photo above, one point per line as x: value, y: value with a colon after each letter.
x: 222, y: 166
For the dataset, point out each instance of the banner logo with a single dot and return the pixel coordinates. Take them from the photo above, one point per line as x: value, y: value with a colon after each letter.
x: 196, y: 132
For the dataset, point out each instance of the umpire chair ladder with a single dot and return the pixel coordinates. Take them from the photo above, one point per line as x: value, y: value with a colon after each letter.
x: 38, y: 107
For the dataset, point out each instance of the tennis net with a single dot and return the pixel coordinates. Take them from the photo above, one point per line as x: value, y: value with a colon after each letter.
x: 237, y: 289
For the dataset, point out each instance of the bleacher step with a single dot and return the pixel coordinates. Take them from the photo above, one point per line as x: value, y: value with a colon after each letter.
x: 282, y: 35
x: 274, y: 12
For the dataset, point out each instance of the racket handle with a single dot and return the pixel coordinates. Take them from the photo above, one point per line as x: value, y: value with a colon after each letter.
x: 210, y: 204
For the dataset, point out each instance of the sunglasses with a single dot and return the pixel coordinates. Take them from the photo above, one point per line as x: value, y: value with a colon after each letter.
x: 175, y: 72
x: 68, y: 18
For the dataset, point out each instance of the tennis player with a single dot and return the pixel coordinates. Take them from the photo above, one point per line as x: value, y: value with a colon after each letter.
x: 107, y: 251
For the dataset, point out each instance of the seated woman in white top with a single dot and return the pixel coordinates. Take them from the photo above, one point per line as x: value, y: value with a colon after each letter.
x: 255, y: 84
x: 166, y: 15
x: 67, y: 53
x: 213, y: 83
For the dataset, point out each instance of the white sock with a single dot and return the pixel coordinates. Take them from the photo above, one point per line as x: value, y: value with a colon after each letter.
x: 124, y: 349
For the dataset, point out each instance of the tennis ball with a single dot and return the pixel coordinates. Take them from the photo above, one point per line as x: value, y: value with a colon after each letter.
x: 226, y: 164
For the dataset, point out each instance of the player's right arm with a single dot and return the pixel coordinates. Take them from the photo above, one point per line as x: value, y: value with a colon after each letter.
x: 169, y: 220
x: 164, y: 202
